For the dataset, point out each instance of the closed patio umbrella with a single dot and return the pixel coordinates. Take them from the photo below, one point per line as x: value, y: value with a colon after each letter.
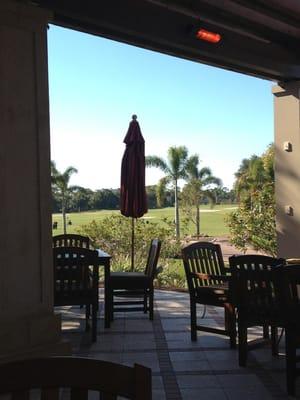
x: 133, y: 199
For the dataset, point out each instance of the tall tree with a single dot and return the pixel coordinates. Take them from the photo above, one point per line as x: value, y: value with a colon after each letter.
x: 254, y: 221
x: 199, y: 186
x: 223, y: 194
x: 161, y: 192
x: 250, y: 177
x: 60, y: 185
x: 174, y: 169
x: 80, y: 199
x: 253, y: 174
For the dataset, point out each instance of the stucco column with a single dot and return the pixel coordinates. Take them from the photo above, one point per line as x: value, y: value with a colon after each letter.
x: 28, y: 325
x: 287, y: 168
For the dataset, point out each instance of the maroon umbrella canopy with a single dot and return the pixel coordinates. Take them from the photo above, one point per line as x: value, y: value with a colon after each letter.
x: 133, y: 192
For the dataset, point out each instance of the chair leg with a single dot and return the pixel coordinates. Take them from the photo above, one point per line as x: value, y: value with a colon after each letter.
x: 243, y: 346
x: 274, y: 340
x: 111, y: 304
x: 151, y: 295
x: 230, y: 323
x: 94, y: 322
x: 193, y: 320
x: 266, y: 333
x: 87, y: 317
x: 145, y: 301
x: 290, y: 345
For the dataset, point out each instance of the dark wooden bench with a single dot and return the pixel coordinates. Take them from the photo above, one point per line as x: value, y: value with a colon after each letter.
x: 81, y: 375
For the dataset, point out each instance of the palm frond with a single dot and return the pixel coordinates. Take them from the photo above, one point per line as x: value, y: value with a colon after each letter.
x: 191, y: 167
x: 211, y: 180
x: 68, y: 173
x: 157, y: 162
x: 205, y: 172
x: 177, y: 157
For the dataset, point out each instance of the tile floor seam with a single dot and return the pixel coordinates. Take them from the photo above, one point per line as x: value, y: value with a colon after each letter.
x: 167, y: 372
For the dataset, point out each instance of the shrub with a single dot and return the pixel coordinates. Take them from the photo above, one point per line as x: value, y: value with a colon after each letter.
x: 113, y: 235
x: 255, y: 224
x: 172, y: 275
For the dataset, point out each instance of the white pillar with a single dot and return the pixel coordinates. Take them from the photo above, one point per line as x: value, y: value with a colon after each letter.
x: 27, y: 324
x: 287, y: 168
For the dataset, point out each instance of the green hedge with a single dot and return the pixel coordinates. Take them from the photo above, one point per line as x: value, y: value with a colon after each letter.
x: 113, y: 235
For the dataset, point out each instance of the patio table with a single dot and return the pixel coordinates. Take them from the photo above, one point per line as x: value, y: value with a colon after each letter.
x: 293, y: 261
x: 104, y: 259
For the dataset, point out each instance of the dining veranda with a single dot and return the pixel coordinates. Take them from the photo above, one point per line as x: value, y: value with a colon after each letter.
x: 186, y: 364
x: 263, y: 46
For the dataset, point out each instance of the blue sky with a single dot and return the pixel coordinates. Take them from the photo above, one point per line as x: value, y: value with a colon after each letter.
x: 97, y: 84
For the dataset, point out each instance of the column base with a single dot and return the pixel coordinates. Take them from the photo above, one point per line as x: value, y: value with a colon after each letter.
x: 36, y: 335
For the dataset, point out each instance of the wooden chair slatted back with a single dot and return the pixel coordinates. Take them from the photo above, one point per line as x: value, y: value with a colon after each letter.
x: 152, y: 260
x: 71, y: 240
x: 75, y: 272
x: 252, y: 280
x: 204, y: 258
x: 79, y: 374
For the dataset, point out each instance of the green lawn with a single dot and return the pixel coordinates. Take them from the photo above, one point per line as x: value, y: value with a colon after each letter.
x: 212, y: 220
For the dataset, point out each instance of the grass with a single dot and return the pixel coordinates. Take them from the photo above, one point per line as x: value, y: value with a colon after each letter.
x: 212, y: 220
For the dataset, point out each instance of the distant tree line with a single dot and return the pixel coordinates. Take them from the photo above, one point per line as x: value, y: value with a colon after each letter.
x: 82, y: 199
x: 77, y: 198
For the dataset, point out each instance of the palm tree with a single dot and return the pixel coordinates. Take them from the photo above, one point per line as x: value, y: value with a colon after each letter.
x: 198, y: 186
x: 250, y: 177
x: 253, y: 175
x: 174, y: 169
x: 60, y: 184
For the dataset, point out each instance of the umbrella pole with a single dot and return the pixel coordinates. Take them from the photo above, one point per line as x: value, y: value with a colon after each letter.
x: 132, y: 244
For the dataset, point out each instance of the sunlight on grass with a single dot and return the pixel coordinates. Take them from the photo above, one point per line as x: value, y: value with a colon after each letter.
x: 212, y: 219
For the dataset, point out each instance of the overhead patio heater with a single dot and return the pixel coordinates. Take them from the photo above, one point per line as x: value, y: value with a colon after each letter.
x: 207, y: 36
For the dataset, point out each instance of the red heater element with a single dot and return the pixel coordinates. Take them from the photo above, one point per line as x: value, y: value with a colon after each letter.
x: 208, y: 36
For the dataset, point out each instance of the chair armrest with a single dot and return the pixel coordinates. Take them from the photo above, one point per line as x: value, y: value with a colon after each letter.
x: 210, y: 276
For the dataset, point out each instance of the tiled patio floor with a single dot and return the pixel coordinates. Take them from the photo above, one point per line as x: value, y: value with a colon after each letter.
x: 207, y: 369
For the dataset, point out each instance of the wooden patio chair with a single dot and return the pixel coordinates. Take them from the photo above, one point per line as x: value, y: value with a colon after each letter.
x: 287, y: 284
x: 71, y: 240
x: 208, y: 285
x: 81, y: 375
x: 253, y: 293
x: 132, y: 285
x: 76, y: 278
